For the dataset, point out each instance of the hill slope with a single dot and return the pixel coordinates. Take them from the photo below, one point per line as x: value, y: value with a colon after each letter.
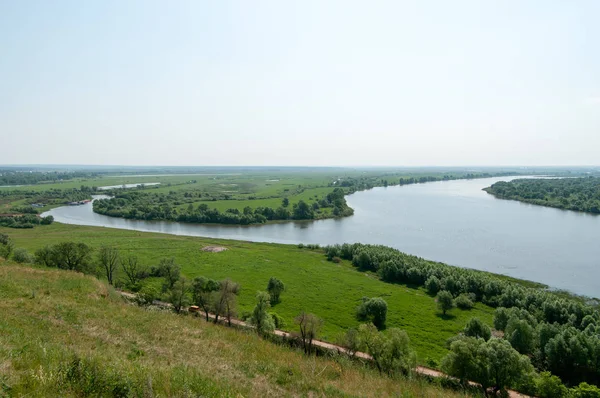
x: 65, y: 334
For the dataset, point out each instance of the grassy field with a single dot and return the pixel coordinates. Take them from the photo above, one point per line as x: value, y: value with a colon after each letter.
x: 63, y: 334
x: 332, y: 291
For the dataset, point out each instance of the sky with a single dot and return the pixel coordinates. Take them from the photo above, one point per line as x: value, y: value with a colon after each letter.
x: 307, y: 83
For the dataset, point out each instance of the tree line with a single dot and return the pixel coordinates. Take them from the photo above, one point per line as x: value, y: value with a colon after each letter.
x: 579, y: 194
x: 560, y: 334
x: 28, y: 177
x: 157, y: 206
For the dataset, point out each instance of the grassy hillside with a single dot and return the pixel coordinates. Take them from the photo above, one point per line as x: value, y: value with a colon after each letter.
x: 332, y: 291
x: 65, y: 334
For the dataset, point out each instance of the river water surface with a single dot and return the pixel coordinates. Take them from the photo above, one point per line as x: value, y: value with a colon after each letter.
x: 454, y: 222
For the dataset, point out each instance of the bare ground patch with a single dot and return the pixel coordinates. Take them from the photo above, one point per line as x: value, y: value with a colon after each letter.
x: 214, y: 249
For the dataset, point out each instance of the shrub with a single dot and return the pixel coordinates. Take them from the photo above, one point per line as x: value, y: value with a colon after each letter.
x: 336, y: 260
x: 277, y: 320
x: 464, y: 302
x: 550, y: 386
x: 373, y: 310
x: 21, y: 256
x: 476, y: 328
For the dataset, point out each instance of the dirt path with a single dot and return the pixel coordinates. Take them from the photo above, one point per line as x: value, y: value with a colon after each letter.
x: 422, y: 370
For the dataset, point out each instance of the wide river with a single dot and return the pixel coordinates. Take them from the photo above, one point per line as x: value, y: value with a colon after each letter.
x: 454, y: 222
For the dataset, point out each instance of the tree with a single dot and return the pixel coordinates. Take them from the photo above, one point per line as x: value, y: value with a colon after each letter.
x: 350, y: 341
x: 506, y: 366
x: 44, y: 256
x: 6, y: 246
x: 433, y: 285
x: 310, y: 325
x: 261, y: 318
x: 21, y: 256
x: 373, y: 310
x: 108, y: 257
x: 476, y: 328
x: 550, y: 386
x: 302, y: 211
x: 392, y: 353
x: 445, y: 301
x: 585, y: 390
x: 133, y: 270
x: 285, y: 202
x: 179, y: 295
x: 170, y: 271
x: 202, y: 292
x: 464, y: 302
x: 275, y: 288
x: 501, y: 316
x: 492, y: 363
x: 462, y: 361
x: 71, y: 256
x: 224, y: 301
x: 520, y: 335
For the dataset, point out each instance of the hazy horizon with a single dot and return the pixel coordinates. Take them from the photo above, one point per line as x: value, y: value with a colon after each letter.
x: 267, y: 83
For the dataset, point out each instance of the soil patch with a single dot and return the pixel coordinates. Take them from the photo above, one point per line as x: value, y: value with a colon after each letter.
x: 214, y: 249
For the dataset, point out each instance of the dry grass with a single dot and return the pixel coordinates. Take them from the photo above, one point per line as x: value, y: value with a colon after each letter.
x: 65, y: 334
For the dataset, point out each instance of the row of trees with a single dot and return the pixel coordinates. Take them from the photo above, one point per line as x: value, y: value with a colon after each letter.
x: 156, y: 206
x: 565, y: 326
x: 580, y: 194
x: 28, y: 177
x: 499, y: 363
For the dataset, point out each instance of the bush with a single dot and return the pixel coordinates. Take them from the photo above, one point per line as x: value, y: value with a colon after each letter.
x: 336, y: 260
x: 21, y: 256
x: 464, y: 302
x: 373, y: 310
x: 476, y: 328
x: 278, y: 320
x: 549, y: 386
x: 585, y: 390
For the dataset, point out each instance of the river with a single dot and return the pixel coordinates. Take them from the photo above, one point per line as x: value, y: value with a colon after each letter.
x: 454, y: 222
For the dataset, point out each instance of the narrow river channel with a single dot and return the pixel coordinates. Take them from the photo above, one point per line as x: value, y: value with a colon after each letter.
x: 454, y: 222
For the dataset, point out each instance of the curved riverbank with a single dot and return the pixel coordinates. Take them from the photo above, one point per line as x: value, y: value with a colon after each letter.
x: 454, y: 222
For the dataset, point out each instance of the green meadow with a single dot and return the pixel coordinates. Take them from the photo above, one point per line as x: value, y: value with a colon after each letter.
x: 313, y: 284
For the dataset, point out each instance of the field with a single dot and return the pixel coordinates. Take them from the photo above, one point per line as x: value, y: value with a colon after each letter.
x: 63, y: 334
x: 332, y: 291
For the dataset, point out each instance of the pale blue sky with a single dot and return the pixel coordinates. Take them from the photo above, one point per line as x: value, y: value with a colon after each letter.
x: 300, y: 83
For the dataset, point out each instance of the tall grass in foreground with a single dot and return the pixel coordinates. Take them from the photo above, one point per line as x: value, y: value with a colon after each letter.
x: 66, y: 334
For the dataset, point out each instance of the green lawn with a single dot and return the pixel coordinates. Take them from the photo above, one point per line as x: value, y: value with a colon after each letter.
x: 332, y: 291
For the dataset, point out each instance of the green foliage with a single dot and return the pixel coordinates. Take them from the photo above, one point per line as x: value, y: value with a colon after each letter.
x: 373, y: 310
x: 21, y: 255
x: 464, y: 301
x: 278, y: 321
x: 550, y: 386
x: 169, y: 270
x: 476, y: 328
x: 275, y: 287
x: 202, y: 293
x: 179, y: 294
x: 433, y: 285
x: 520, y: 335
x: 580, y: 194
x: 6, y: 245
x: 585, y: 390
x: 391, y: 351
x: 309, y: 325
x: 261, y: 319
x: 71, y: 256
x: 445, y: 301
x: 492, y: 363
